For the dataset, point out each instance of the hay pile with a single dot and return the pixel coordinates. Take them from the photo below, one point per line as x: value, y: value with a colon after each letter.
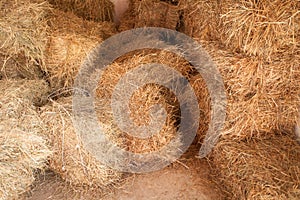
x: 23, y: 36
x: 151, y: 94
x: 259, y: 169
x: 263, y: 97
x: 70, y: 159
x: 70, y: 40
x: 150, y: 13
x: 22, y: 150
x: 96, y: 10
x: 260, y: 28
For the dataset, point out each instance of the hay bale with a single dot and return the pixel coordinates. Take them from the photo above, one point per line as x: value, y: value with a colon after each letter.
x: 69, y: 42
x: 97, y: 10
x: 77, y: 165
x: 154, y: 13
x: 263, y: 97
x: 22, y: 154
x: 23, y: 35
x: 70, y: 159
x: 22, y: 150
x: 151, y: 94
x: 258, y: 169
x: 259, y: 28
x: 200, y: 18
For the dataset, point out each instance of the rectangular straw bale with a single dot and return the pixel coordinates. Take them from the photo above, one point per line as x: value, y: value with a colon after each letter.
x: 22, y: 149
x: 258, y: 169
x: 70, y: 41
x: 262, y: 97
x: 23, y: 29
x: 96, y: 10
x: 151, y: 13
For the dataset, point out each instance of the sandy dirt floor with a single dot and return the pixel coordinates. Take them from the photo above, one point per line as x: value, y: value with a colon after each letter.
x: 187, y: 179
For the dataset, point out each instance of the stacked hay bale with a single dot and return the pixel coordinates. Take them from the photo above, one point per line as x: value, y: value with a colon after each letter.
x: 262, y: 97
x: 259, y: 169
x: 70, y: 159
x: 96, y: 10
x: 22, y: 37
x: 259, y: 28
x: 70, y: 40
x: 22, y: 150
x: 200, y: 18
x: 261, y: 71
x: 153, y: 13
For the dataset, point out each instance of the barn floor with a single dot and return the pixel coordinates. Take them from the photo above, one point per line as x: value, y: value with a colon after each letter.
x: 187, y: 179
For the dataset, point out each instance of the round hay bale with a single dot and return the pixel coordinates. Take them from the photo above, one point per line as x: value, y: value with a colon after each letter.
x: 23, y: 35
x: 263, y: 97
x: 258, y: 169
x: 69, y: 42
x: 70, y: 159
x: 97, y: 10
x: 22, y: 151
x: 150, y: 13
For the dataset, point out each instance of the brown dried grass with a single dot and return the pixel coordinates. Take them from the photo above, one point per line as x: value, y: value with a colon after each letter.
x: 9, y: 68
x: 97, y: 10
x: 263, y: 97
x: 150, y: 13
x: 200, y: 18
x: 259, y: 28
x: 259, y: 168
x: 22, y: 150
x: 23, y: 35
x: 70, y: 159
x: 69, y: 42
x: 149, y: 95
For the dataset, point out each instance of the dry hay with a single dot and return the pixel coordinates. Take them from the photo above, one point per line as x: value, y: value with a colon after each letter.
x: 200, y: 18
x: 262, y: 97
x: 9, y: 68
x: 150, y: 13
x: 97, y: 10
x: 73, y: 162
x: 258, y: 169
x: 149, y: 95
x: 297, y: 129
x: 23, y: 35
x: 22, y: 150
x: 69, y: 42
x: 260, y: 28
x: 70, y: 159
